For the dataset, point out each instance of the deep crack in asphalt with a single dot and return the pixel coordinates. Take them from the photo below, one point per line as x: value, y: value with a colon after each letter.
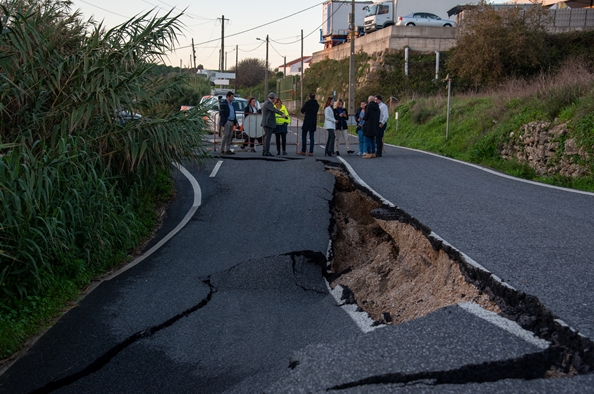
x: 528, y: 367
x: 369, y: 237
x: 106, y: 357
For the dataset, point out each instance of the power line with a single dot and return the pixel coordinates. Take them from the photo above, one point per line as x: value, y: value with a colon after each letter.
x: 314, y: 30
x: 193, y: 16
x: 275, y: 49
x: 265, y: 24
x: 252, y: 50
x: 103, y: 9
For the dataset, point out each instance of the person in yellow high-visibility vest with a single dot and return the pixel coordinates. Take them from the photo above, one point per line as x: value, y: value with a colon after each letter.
x: 281, y: 129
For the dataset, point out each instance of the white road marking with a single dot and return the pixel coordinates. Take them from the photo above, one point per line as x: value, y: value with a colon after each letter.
x: 360, y: 181
x: 197, y: 202
x: 513, y: 178
x: 361, y: 319
x: 216, y: 169
x: 510, y: 326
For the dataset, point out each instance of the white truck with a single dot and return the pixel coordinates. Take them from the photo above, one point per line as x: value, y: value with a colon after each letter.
x: 335, y: 18
x: 385, y: 13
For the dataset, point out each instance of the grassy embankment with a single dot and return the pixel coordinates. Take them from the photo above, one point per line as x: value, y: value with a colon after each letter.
x: 481, y: 124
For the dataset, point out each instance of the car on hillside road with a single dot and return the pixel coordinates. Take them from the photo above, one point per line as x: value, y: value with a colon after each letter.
x: 424, y: 19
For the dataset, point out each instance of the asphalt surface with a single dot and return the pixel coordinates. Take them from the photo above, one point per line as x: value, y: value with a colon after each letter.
x: 236, y: 302
x: 537, y: 239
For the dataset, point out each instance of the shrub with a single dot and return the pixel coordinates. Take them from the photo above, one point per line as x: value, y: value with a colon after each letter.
x: 498, y: 44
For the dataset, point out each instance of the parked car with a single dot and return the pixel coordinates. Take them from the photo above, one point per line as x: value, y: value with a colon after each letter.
x: 124, y: 116
x: 239, y: 104
x: 424, y: 19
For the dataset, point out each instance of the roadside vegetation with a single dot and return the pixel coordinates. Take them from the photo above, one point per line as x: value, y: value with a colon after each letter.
x: 88, y: 131
x: 482, y: 124
x: 507, y: 73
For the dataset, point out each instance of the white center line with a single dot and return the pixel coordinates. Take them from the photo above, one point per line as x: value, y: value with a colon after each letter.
x: 216, y: 169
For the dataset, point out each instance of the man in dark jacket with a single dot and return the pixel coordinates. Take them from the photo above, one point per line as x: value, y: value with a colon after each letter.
x: 269, y: 121
x: 371, y: 126
x: 227, y: 120
x: 310, y: 122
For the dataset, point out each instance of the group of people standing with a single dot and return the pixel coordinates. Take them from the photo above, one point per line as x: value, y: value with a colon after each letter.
x: 371, y: 118
x: 275, y: 119
x: 336, y: 122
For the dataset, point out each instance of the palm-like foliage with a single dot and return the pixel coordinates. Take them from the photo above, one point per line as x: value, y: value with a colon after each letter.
x: 70, y: 179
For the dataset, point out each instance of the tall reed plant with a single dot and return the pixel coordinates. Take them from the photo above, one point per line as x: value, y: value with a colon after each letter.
x: 72, y: 168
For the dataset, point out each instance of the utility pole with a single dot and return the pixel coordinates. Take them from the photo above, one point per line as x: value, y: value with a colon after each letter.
x: 266, y: 71
x: 302, y: 66
x: 352, y: 61
x: 194, y: 53
x: 222, y: 60
x: 236, y: 64
x: 449, y: 81
x: 285, y: 67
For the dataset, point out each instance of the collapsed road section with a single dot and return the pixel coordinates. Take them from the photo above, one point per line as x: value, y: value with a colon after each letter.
x: 398, y: 270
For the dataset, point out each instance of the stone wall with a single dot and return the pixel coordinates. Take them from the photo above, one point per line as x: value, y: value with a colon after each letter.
x: 547, y: 149
x: 421, y: 39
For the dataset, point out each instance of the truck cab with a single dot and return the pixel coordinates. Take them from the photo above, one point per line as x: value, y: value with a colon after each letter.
x: 378, y: 16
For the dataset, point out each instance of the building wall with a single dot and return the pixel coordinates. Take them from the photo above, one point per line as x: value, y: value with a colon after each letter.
x: 423, y: 39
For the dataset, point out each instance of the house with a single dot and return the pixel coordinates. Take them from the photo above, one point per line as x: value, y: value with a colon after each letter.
x: 294, y: 67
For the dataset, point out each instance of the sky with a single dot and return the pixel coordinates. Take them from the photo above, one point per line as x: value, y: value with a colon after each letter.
x: 245, y: 23
x: 202, y: 20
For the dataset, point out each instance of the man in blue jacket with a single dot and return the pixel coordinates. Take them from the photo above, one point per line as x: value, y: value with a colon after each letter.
x: 227, y: 120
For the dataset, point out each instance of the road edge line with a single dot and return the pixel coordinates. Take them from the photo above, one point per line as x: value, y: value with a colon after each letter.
x: 497, y: 173
x: 195, y: 205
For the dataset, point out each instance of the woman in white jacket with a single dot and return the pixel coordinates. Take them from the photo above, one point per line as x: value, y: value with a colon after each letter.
x: 330, y: 125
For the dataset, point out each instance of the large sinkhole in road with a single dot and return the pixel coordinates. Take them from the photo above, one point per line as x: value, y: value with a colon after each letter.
x: 397, y: 270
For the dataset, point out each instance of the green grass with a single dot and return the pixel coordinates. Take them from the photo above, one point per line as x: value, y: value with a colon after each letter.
x: 479, y: 127
x: 23, y: 317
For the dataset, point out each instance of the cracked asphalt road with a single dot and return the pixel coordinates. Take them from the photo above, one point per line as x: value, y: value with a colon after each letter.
x: 236, y: 303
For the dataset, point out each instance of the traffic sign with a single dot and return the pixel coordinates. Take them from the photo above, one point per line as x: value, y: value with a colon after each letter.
x: 224, y: 75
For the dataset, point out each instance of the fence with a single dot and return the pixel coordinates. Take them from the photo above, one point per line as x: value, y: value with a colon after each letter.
x: 571, y: 19
x: 288, y: 88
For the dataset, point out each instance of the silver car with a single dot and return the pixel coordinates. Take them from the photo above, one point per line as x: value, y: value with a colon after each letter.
x: 424, y: 19
x: 239, y: 104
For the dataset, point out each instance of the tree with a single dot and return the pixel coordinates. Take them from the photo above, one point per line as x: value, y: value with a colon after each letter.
x: 249, y: 72
x: 495, y: 44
